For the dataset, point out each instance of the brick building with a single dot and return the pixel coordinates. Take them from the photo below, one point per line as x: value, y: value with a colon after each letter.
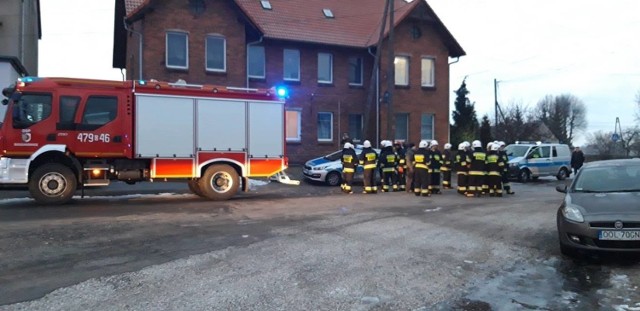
x: 323, y: 51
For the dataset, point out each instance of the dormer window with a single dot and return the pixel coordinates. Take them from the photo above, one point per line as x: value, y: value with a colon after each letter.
x: 327, y: 13
x: 265, y: 4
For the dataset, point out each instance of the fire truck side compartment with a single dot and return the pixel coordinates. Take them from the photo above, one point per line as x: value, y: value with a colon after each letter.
x: 221, y: 125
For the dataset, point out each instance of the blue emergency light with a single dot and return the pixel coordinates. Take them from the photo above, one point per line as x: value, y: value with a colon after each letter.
x: 282, y: 91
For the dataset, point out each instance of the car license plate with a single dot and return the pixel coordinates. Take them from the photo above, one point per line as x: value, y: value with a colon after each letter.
x: 619, y: 235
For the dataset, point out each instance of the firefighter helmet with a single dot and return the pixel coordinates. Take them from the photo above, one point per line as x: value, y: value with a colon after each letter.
x: 366, y: 144
x: 434, y: 143
x: 466, y: 144
x: 461, y: 146
x: 447, y: 146
x: 501, y: 143
x: 348, y: 146
x: 476, y: 144
x: 495, y: 147
x: 423, y: 144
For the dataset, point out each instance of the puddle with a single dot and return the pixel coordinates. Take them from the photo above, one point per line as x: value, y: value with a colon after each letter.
x: 556, y: 284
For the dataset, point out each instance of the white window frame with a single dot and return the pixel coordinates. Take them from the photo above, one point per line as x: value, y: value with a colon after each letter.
x: 432, y: 71
x: 264, y: 62
x: 330, y: 56
x: 361, y: 60
x: 284, y: 64
x: 330, y: 126
x: 166, y: 48
x: 224, y: 53
x: 406, y: 72
x: 433, y: 125
x: 407, y: 115
x: 297, y: 139
x: 361, y: 130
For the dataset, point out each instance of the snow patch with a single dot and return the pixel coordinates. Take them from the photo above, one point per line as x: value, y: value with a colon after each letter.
x: 433, y: 209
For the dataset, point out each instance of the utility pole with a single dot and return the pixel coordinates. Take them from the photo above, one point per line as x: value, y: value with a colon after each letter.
x: 390, y: 74
x: 495, y: 100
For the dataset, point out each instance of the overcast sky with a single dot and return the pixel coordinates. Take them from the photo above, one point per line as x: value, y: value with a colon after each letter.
x: 586, y: 48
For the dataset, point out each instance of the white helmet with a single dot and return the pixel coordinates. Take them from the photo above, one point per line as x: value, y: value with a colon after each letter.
x: 423, y: 144
x: 366, y: 144
x: 461, y: 146
x: 476, y: 144
x: 447, y: 146
x: 466, y: 144
x: 495, y: 147
x: 501, y: 143
x: 348, y: 146
x: 387, y: 143
x: 434, y: 143
x: 489, y: 145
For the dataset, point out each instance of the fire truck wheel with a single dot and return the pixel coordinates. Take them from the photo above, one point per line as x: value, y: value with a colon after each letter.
x: 52, y: 184
x: 195, y: 188
x: 219, y: 182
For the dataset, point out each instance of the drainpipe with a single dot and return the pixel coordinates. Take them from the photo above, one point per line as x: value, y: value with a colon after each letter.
x: 377, y: 98
x: 126, y: 27
x: 248, y: 45
x: 451, y: 63
x: 21, y: 39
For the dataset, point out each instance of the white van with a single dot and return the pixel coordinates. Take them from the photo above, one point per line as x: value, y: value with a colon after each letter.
x: 529, y: 160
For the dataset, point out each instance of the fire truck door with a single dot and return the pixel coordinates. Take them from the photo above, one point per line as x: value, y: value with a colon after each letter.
x: 30, y: 120
x: 99, y: 128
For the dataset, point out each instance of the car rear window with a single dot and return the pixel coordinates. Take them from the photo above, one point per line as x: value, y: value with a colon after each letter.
x: 608, y: 179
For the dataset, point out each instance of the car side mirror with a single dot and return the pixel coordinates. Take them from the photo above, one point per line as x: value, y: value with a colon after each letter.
x: 561, y: 188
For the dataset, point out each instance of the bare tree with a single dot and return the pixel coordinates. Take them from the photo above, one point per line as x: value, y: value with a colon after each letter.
x: 630, y: 139
x: 519, y: 123
x: 564, y: 115
x: 603, y: 144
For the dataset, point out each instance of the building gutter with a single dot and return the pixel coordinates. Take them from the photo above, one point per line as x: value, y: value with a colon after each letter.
x: 140, y: 40
x: 377, y: 98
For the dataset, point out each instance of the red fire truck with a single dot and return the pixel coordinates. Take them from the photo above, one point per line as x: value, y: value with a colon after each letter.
x: 60, y: 135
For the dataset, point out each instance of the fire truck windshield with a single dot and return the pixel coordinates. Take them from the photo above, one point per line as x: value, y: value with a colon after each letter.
x: 29, y: 109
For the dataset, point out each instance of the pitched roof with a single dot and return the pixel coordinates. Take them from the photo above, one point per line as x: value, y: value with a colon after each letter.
x: 355, y: 23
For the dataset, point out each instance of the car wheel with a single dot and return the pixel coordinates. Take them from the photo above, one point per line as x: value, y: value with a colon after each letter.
x: 333, y: 179
x: 562, y: 174
x: 53, y: 184
x: 524, y: 176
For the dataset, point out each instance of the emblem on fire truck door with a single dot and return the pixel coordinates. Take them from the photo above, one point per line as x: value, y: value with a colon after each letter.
x: 26, y: 135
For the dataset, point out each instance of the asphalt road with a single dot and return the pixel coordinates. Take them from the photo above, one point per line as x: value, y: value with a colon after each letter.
x: 307, y: 247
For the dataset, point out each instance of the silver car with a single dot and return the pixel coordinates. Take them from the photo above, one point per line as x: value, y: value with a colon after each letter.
x: 328, y: 168
x: 601, y: 208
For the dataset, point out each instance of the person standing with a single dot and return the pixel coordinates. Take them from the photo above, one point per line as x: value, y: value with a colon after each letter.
x: 410, y: 174
x: 421, y: 170
x: 577, y: 159
x: 447, y: 161
x: 349, y: 161
x: 435, y: 163
x: 402, y: 167
x: 506, y: 185
x: 477, y: 169
x: 369, y: 161
x: 461, y: 163
x: 495, y: 167
x: 388, y: 163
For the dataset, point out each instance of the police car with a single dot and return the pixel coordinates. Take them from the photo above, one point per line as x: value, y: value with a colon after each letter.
x: 530, y: 160
x: 328, y: 168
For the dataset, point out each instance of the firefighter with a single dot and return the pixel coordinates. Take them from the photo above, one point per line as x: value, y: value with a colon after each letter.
x: 410, y: 174
x: 435, y: 163
x: 421, y: 179
x: 505, y: 173
x: 388, y: 164
x: 447, y: 162
x: 402, y: 167
x: 369, y: 161
x: 495, y: 167
x: 461, y: 166
x: 349, y: 162
x: 477, y: 169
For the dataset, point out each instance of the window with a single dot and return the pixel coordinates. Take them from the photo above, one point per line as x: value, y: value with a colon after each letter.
x: 256, y: 61
x: 355, y: 127
x: 216, y: 53
x: 545, y: 150
x: 266, y: 4
x: 31, y: 109
x: 428, y: 72
x: 99, y: 111
x: 554, y: 152
x: 426, y: 126
x: 325, y: 126
x: 68, y: 108
x: 402, y: 70
x: 293, y: 124
x: 355, y: 70
x: 177, y: 50
x: 402, y: 126
x: 291, y: 63
x: 325, y: 68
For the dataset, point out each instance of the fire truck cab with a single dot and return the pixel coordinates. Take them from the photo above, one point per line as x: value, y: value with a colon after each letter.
x: 59, y: 135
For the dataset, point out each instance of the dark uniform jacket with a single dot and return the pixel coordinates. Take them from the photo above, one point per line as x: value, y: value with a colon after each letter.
x: 462, y: 160
x: 349, y: 160
x: 388, y: 159
x: 435, y: 160
x: 478, y: 162
x: 368, y: 158
x: 421, y: 158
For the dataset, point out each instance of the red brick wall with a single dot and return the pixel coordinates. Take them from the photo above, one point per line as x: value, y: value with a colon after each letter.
x: 308, y: 95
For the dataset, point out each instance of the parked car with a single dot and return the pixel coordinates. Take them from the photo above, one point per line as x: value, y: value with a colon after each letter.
x: 529, y: 161
x: 328, y: 168
x: 601, y: 208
